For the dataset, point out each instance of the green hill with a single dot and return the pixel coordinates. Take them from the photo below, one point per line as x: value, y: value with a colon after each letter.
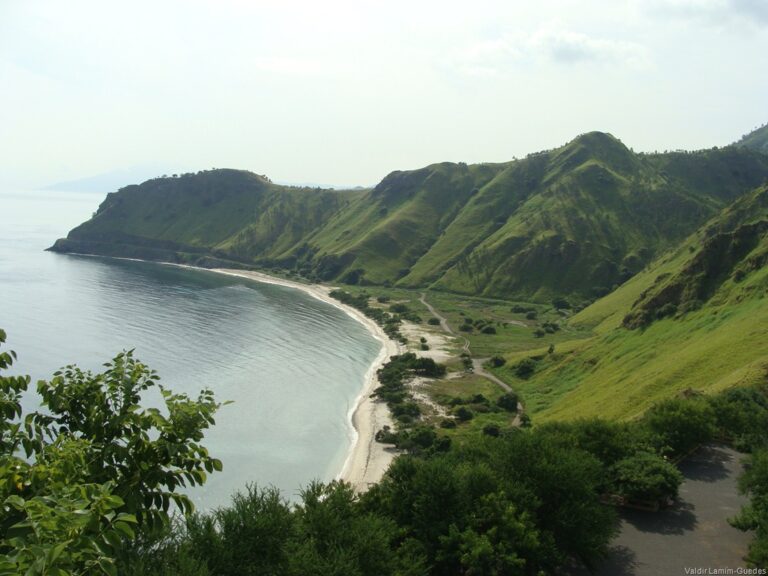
x: 578, y: 220
x: 756, y: 140
x: 697, y: 318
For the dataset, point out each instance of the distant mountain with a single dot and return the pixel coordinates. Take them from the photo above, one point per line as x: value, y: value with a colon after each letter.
x: 577, y: 220
x: 108, y: 180
x: 756, y: 140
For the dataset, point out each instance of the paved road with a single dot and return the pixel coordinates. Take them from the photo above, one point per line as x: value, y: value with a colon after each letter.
x: 693, y: 534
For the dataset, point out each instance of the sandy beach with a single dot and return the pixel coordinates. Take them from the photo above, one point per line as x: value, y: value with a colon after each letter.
x: 367, y: 459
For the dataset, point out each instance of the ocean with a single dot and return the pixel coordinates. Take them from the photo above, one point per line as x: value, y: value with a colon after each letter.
x: 291, y: 365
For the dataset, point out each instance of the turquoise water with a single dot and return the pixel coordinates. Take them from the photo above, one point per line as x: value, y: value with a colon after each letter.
x: 292, y: 365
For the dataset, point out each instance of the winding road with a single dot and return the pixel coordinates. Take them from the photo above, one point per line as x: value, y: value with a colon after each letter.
x: 477, y: 363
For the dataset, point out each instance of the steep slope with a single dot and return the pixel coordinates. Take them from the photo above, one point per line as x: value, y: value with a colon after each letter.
x: 577, y: 220
x: 704, y: 312
x: 583, y: 218
x: 756, y: 140
x: 394, y: 225
x: 225, y: 214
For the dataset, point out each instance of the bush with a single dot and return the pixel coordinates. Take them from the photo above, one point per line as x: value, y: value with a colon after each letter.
x: 382, y: 299
x: 466, y: 328
x: 680, y: 424
x: 508, y: 402
x: 531, y: 315
x: 497, y: 361
x: 464, y: 414
x: 433, y: 322
x: 448, y: 423
x: 488, y: 330
x: 561, y: 304
x: 491, y: 430
x: 646, y: 476
x: 525, y: 368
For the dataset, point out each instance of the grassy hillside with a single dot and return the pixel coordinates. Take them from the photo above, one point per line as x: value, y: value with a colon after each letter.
x: 697, y: 318
x: 756, y: 140
x: 578, y: 220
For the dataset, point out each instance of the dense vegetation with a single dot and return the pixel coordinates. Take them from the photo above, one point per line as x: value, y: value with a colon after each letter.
x: 756, y: 140
x: 642, y: 280
x: 93, y: 494
x: 577, y: 220
x: 93, y: 469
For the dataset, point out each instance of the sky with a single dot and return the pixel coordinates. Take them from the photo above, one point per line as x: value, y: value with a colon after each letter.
x: 343, y: 92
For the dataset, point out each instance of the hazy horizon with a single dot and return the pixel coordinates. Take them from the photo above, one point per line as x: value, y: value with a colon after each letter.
x: 342, y: 93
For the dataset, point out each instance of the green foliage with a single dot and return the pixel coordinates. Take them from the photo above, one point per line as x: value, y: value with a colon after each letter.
x: 742, y: 416
x: 588, y: 214
x: 525, y: 368
x: 498, y: 361
x: 679, y: 425
x: 390, y: 323
x: 464, y: 414
x: 561, y: 303
x: 754, y: 516
x: 97, y: 466
x: 508, y: 401
x: 646, y: 477
x: 393, y: 377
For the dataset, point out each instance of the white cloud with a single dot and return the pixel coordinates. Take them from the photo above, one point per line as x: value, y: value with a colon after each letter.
x: 564, y: 47
x: 715, y: 12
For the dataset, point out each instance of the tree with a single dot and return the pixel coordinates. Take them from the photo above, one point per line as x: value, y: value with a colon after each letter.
x: 754, y: 516
x: 525, y: 368
x: 508, y: 401
x: 679, y: 425
x: 646, y: 476
x: 96, y: 464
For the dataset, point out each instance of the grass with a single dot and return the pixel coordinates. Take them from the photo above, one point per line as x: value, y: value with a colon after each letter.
x: 574, y: 220
x: 443, y: 391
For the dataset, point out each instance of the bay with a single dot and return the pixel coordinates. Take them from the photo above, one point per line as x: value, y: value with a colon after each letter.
x: 292, y: 365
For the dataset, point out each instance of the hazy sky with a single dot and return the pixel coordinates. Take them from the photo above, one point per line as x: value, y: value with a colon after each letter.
x: 345, y: 91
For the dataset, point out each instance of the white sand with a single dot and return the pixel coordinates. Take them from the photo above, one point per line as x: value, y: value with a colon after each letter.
x: 367, y: 459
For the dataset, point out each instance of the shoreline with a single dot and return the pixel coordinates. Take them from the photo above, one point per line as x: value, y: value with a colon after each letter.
x: 367, y: 460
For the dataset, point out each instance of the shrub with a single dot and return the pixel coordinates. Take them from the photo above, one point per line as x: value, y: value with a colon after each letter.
x: 561, y: 304
x: 491, y: 430
x: 680, y: 424
x: 508, y: 402
x: 525, y: 368
x: 531, y: 315
x: 646, y: 476
x: 488, y: 330
x: 464, y: 414
x: 497, y: 361
x: 433, y: 322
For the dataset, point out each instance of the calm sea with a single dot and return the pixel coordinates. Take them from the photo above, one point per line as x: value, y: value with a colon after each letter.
x: 292, y: 365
